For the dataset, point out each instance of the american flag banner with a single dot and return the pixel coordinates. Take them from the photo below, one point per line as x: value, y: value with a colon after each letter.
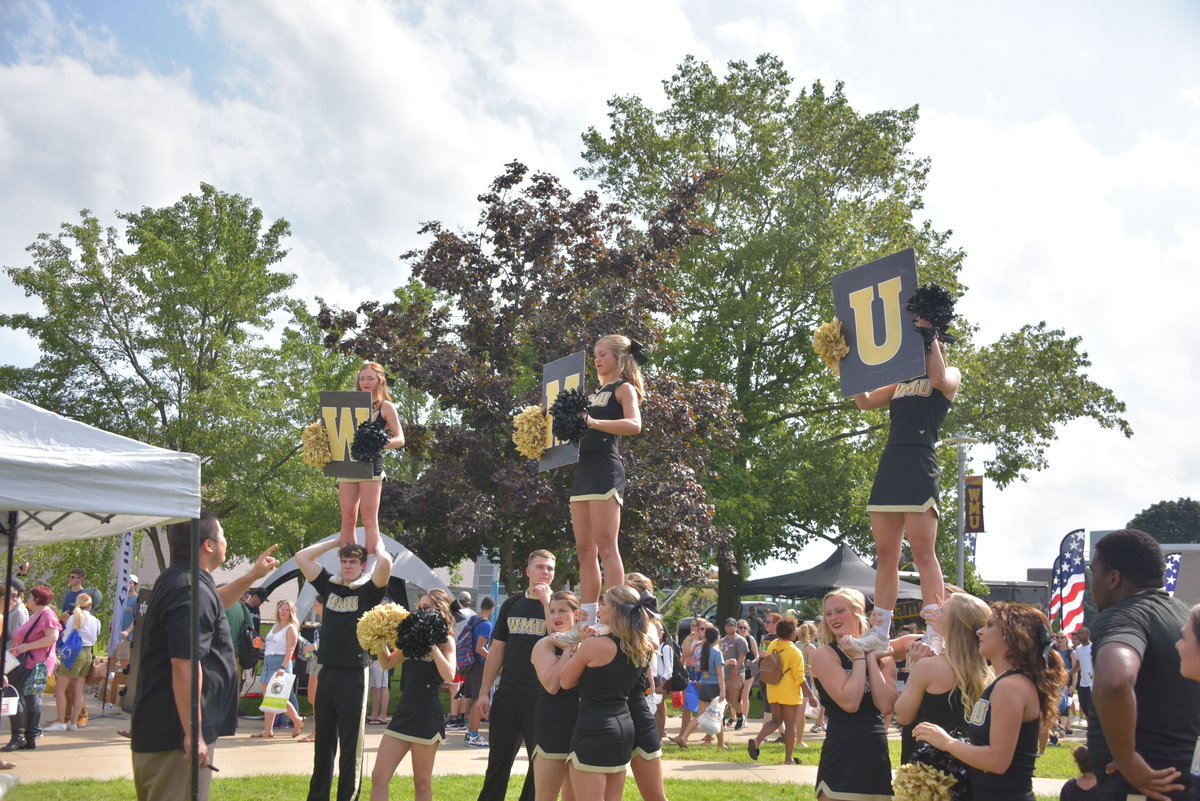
x: 970, y: 543
x: 1073, y: 584
x: 1171, y: 577
x: 1055, y: 589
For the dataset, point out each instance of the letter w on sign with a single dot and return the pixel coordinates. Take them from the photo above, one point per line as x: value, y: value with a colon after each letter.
x: 884, y: 346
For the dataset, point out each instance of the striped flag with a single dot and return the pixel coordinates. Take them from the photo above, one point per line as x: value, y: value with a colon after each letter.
x: 1072, y: 584
x: 1171, y: 577
x: 1055, y: 589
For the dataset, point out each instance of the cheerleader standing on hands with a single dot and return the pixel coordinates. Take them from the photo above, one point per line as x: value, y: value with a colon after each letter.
x: 904, y: 496
x: 362, y: 495
x: 605, y: 668
x: 598, y: 489
x: 554, y: 720
x: 417, y: 727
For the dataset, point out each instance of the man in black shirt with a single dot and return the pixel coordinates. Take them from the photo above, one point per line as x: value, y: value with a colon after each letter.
x: 161, y: 724
x: 520, y: 623
x: 1145, y: 718
x: 340, y: 706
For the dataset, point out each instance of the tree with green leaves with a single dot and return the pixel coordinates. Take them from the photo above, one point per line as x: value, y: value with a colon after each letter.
x: 157, y: 333
x: 1170, y: 521
x: 810, y: 187
x: 543, y: 275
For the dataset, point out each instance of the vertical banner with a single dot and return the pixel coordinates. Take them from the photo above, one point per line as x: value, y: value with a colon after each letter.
x: 974, y: 488
x: 342, y: 413
x: 559, y: 376
x: 885, y: 347
x: 123, y: 568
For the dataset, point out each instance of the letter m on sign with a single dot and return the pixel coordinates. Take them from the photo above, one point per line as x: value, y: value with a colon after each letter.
x: 884, y: 347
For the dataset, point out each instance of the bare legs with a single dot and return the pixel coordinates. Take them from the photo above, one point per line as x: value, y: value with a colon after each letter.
x: 392, y: 751
x: 889, y: 529
x: 355, y: 497
x: 687, y: 730
x: 648, y: 774
x: 550, y: 776
x: 782, y: 715
x: 596, y: 525
x: 606, y: 786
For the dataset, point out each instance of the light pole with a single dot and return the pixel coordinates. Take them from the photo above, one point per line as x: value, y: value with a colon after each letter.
x: 961, y: 444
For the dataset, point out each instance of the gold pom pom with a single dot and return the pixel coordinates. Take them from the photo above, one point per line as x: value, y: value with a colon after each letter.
x: 314, y: 446
x: 529, y: 432
x: 919, y: 782
x: 377, y: 627
x: 830, y: 345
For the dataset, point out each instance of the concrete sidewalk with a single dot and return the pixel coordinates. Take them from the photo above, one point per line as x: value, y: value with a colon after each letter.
x: 98, y: 752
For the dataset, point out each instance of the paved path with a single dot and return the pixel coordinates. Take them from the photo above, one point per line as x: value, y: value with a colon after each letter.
x: 98, y: 752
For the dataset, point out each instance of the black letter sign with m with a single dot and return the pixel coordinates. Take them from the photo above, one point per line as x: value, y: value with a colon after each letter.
x: 885, y: 348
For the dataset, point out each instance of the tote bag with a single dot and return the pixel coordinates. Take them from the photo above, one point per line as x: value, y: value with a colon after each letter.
x: 278, y: 690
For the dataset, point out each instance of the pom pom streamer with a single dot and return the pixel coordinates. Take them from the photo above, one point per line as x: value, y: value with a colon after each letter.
x: 378, y: 627
x: 566, y: 410
x: 918, y: 782
x: 529, y: 432
x: 314, y: 446
x: 830, y: 344
x: 956, y: 776
x: 933, y: 303
x: 369, y: 439
x: 419, y: 632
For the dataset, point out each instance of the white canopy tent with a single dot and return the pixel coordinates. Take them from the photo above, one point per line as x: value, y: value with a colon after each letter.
x: 66, y: 480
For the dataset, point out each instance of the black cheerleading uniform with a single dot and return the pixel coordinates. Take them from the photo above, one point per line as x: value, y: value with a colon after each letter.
x: 554, y: 723
x: 603, y: 737
x: 1016, y: 783
x: 646, y: 742
x: 854, y: 760
x: 418, y: 717
x: 907, y: 477
x: 599, y: 473
x: 943, y: 709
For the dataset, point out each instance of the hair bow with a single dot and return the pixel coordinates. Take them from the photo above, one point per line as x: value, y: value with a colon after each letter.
x: 639, y: 352
x: 647, y: 602
x: 1045, y: 642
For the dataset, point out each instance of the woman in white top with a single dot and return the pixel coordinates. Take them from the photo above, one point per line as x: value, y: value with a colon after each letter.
x: 279, y: 650
x: 88, y: 626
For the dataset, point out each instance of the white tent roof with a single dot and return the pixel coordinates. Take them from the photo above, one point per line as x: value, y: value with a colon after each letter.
x: 70, y: 481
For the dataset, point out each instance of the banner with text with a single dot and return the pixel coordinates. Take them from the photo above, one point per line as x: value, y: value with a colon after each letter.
x: 559, y: 376
x: 974, y: 488
x: 885, y: 347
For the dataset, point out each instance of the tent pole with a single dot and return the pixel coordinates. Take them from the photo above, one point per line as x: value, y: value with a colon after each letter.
x: 12, y: 547
x: 195, y: 654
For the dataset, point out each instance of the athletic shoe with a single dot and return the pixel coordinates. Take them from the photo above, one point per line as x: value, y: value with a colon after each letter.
x: 741, y: 721
x: 57, y: 725
x: 934, y: 641
x: 572, y: 636
x: 475, y: 741
x: 872, y: 641
x: 71, y: 727
x: 752, y: 747
x: 456, y: 725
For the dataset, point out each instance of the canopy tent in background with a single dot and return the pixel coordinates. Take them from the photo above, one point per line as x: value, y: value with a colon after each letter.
x: 407, y: 569
x: 69, y: 481
x: 65, y: 480
x: 843, y: 568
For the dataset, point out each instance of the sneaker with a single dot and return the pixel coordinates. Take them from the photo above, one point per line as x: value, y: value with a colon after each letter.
x: 572, y: 636
x: 475, y: 741
x: 57, y: 725
x: 456, y: 725
x: 71, y: 727
x: 741, y: 721
x: 873, y: 641
x: 934, y: 641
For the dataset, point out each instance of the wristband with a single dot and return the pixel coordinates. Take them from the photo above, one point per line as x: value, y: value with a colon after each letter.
x: 861, y: 659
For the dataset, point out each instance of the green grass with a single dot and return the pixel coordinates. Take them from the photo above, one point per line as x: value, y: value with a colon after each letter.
x: 1056, y: 764
x: 287, y: 788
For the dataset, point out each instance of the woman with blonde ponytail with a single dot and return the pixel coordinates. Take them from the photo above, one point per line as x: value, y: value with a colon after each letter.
x: 88, y: 626
x: 355, y: 495
x: 598, y: 488
x: 943, y: 688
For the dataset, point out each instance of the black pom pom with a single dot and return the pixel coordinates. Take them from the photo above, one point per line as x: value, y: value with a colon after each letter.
x: 926, y: 754
x: 568, y: 425
x: 369, y: 439
x: 933, y: 303
x: 419, y: 632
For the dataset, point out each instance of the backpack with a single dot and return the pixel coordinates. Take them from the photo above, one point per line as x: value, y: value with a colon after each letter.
x: 770, y: 669
x: 679, y: 677
x: 250, y: 643
x: 465, y: 646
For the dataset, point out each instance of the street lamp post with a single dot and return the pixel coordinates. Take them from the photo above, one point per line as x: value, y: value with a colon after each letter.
x: 961, y: 444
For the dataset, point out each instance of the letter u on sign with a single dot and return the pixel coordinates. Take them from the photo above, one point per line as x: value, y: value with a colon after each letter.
x: 870, y: 350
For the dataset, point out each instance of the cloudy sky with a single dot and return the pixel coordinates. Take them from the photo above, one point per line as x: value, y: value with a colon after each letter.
x: 1065, y: 141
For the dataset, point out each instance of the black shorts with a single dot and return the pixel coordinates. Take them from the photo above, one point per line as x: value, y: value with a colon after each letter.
x: 708, y: 692
x: 599, y: 475
x: 906, y: 480
x: 472, y: 680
